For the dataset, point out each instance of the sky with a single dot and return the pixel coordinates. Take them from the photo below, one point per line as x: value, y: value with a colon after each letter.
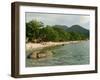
x: 59, y: 19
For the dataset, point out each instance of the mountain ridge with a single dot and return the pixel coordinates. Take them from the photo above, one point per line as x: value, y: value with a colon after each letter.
x: 74, y: 28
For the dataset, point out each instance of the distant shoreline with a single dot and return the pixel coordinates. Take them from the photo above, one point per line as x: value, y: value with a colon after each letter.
x: 30, y: 46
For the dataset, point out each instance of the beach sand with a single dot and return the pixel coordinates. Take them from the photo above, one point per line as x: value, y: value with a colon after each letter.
x: 31, y: 46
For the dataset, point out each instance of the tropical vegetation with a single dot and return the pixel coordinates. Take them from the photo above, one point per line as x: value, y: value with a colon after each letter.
x: 37, y: 32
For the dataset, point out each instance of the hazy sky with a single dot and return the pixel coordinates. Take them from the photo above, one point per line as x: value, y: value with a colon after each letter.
x: 60, y: 19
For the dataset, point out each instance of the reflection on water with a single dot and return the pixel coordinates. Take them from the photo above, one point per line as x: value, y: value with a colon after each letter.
x: 70, y: 54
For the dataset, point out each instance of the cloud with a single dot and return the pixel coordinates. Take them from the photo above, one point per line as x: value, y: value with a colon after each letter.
x: 84, y: 19
x: 60, y: 19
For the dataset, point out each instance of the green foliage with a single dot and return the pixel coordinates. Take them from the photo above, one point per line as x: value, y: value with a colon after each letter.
x: 49, y: 34
x: 78, y: 29
x: 32, y: 29
x: 36, y: 32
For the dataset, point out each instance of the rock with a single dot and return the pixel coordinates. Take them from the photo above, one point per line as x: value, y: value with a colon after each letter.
x: 45, y: 54
x: 49, y: 53
x: 33, y: 55
x: 38, y: 54
x: 41, y: 55
x: 63, y: 44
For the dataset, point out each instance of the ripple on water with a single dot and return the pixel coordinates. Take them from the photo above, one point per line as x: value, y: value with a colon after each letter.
x: 71, y: 54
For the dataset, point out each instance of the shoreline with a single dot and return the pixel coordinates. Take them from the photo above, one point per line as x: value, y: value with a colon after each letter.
x: 31, y: 46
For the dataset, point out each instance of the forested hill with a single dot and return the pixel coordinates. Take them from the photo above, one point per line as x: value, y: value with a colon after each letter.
x: 37, y: 32
x: 64, y: 27
x: 74, y: 28
x: 79, y: 29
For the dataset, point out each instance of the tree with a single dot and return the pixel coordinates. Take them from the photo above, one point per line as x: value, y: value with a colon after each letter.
x: 63, y: 35
x: 32, y: 29
x: 36, y: 32
x: 49, y: 34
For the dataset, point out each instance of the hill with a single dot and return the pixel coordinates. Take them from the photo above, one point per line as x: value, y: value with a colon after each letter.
x: 64, y: 27
x: 78, y: 29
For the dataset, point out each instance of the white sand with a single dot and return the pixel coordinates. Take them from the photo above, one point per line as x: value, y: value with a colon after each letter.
x: 30, y: 46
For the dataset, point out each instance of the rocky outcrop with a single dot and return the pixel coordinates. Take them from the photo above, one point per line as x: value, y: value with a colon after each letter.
x: 40, y: 54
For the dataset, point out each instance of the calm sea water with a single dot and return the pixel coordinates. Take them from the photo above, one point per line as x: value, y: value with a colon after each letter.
x: 70, y: 54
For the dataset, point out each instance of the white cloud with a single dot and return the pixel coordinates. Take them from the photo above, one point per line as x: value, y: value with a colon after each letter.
x: 60, y: 19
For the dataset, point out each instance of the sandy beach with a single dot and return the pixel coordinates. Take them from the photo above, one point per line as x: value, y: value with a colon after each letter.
x: 31, y: 46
